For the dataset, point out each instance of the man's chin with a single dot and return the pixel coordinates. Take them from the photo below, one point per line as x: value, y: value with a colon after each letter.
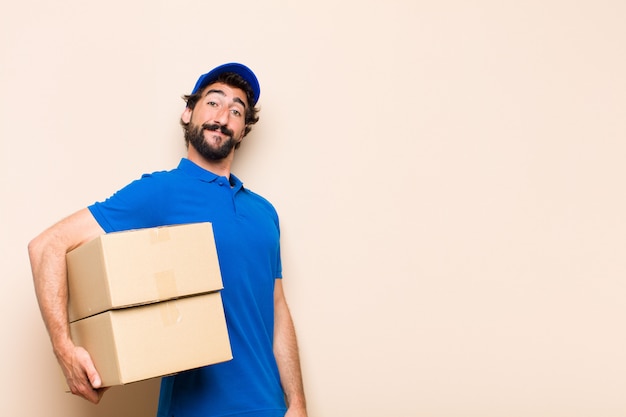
x: 214, y: 138
x: 215, y: 151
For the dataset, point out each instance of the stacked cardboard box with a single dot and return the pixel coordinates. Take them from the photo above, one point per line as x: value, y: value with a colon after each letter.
x: 147, y: 303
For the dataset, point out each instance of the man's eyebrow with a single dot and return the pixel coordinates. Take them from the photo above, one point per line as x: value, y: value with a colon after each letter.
x: 222, y: 93
x: 238, y: 100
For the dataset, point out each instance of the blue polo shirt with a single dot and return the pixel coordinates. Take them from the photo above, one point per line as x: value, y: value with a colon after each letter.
x: 247, y: 239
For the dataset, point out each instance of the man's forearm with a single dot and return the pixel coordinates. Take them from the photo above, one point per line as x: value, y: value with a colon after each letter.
x: 287, y: 354
x: 47, y: 258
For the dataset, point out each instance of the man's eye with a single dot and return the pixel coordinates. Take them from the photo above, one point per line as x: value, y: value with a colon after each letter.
x: 236, y: 112
x: 212, y: 103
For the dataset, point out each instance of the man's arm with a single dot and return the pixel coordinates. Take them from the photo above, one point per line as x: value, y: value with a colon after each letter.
x: 47, y: 258
x: 287, y: 356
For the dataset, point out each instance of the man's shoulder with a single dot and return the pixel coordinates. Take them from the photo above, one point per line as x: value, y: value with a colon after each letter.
x: 162, y: 173
x: 261, y: 201
x: 258, y: 197
x: 162, y: 177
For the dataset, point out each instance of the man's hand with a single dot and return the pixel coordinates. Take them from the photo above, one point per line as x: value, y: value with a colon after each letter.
x: 81, y: 374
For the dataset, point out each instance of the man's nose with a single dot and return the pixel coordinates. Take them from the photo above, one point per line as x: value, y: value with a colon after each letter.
x: 221, y: 116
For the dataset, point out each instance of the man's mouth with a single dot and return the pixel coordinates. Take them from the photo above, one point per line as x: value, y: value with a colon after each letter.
x: 218, y: 128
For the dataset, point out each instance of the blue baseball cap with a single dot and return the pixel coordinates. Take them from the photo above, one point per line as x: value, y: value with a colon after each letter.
x: 239, y: 69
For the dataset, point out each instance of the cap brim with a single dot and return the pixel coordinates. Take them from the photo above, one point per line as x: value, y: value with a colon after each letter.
x: 239, y: 69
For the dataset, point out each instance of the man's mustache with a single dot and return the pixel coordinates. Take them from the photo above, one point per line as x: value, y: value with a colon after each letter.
x: 215, y: 127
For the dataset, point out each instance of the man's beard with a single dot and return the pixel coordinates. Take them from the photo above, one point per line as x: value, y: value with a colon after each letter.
x: 195, y: 136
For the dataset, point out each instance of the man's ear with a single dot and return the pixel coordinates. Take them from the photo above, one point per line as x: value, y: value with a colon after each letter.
x: 243, y: 133
x: 186, y: 116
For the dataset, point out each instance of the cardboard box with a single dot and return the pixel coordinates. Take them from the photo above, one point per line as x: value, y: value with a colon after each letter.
x: 146, y: 303
x: 141, y: 266
x: 137, y: 343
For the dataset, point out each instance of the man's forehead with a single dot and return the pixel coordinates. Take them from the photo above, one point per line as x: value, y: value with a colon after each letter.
x: 225, y: 90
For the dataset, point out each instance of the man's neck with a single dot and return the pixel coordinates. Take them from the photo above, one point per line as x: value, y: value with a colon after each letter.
x: 221, y: 167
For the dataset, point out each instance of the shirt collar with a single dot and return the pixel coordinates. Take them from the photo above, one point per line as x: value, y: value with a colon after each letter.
x: 196, y: 171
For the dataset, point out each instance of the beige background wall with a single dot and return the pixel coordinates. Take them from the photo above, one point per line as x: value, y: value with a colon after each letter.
x: 450, y: 178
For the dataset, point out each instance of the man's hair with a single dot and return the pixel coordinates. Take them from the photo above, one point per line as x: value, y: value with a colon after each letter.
x: 236, y: 81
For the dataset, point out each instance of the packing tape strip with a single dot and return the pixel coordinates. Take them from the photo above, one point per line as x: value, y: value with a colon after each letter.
x: 165, y: 282
x: 170, y: 314
x: 159, y: 234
